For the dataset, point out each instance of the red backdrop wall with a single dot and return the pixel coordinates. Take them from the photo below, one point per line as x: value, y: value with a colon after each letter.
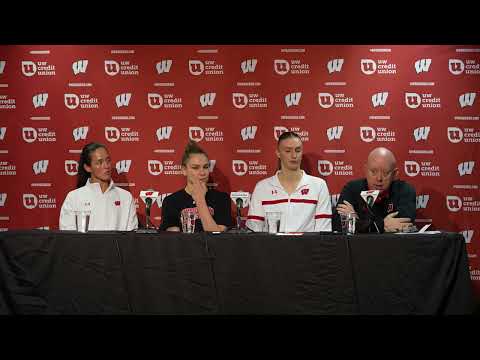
x: 145, y: 102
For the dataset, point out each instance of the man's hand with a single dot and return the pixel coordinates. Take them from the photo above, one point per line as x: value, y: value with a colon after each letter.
x: 199, y: 189
x: 346, y: 208
x: 393, y: 224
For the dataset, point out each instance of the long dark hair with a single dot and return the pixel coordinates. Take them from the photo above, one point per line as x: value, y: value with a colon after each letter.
x: 286, y: 135
x: 191, y: 148
x: 85, y: 158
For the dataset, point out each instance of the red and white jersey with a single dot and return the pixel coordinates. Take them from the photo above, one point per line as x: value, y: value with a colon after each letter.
x: 307, y: 209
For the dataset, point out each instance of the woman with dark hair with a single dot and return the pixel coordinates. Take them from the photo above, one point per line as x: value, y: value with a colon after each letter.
x: 110, y: 207
x: 303, y: 200
x: 209, y: 209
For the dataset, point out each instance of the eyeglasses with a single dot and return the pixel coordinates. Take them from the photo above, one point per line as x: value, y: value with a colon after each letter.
x: 385, y: 173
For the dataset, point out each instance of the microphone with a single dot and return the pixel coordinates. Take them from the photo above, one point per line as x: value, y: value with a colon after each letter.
x: 369, y: 196
x: 148, y: 197
x: 241, y: 200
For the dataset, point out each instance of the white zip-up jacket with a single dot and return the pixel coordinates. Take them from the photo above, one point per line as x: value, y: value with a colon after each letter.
x: 307, y: 209
x: 112, y: 210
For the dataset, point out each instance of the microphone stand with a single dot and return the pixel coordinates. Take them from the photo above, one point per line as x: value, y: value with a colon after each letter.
x: 372, y: 217
x: 238, y: 228
x: 149, y: 228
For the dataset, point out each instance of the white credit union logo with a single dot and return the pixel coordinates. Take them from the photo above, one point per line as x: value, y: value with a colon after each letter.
x: 195, y: 133
x: 155, y: 101
x: 155, y: 167
x: 454, y: 203
x: 325, y: 167
x: 367, y: 133
x: 281, y: 67
x: 30, y: 201
x: 368, y: 66
x: 29, y: 134
x: 455, y: 135
x: 239, y: 167
x: 195, y: 67
x: 112, y: 67
x: 71, y: 167
x: 71, y: 101
x: 239, y: 100
x: 412, y: 100
x: 412, y: 168
x: 456, y: 66
x: 112, y: 134
x: 325, y: 100
x: 29, y: 68
x: 278, y: 131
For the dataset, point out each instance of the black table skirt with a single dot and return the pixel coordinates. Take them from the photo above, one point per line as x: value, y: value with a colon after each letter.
x: 53, y: 272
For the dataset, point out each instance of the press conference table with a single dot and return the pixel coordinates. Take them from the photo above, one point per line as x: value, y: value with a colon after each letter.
x: 53, y: 272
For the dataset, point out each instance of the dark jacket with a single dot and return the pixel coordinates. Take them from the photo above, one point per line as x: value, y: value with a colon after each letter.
x: 401, y: 197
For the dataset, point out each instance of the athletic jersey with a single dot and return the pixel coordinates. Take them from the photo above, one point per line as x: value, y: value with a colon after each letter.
x: 307, y: 209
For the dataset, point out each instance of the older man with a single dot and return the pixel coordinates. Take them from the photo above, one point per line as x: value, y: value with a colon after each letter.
x: 395, y: 206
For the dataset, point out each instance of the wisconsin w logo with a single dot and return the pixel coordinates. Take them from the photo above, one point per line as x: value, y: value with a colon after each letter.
x: 466, y: 168
x: 248, y: 65
x: 29, y: 134
x: 30, y: 201
x: 40, y: 100
x: 123, y: 166
x: 80, y: 133
x: 3, y: 198
x: 422, y: 201
x: 80, y: 66
x: 2, y: 66
x: 281, y: 67
x: 29, y: 68
x: 422, y: 65
x: 293, y: 99
x: 368, y: 66
x: 421, y: 133
x: 3, y: 131
x: 379, y: 99
x: 466, y: 99
x: 163, y: 66
x: 325, y: 100
x: 123, y: 99
x: 334, y: 65
x: 412, y: 100
x: 112, y: 134
x: 155, y: 101
x: 325, y: 167
x: 155, y: 167
x: 467, y: 235
x: 239, y: 100
x: 207, y: 99
x: 40, y: 167
x: 195, y: 67
x: 71, y: 101
x: 112, y: 67
x: 278, y: 131
x: 248, y: 132
x: 164, y: 132
x: 334, y: 133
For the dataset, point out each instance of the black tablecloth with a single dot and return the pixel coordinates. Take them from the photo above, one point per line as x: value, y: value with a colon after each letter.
x: 53, y: 272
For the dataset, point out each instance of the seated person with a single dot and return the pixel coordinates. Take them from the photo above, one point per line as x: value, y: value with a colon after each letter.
x: 395, y: 206
x: 211, y: 208
x: 111, y: 207
x: 303, y: 200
